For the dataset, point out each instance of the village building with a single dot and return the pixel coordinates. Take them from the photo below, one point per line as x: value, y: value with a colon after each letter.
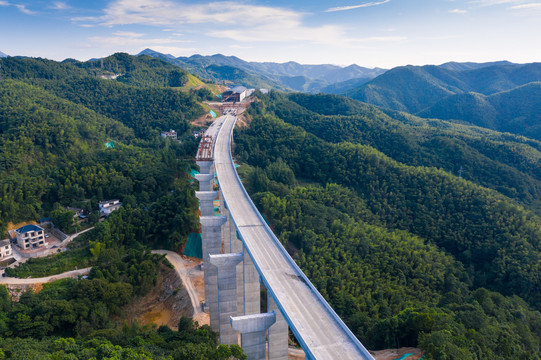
x: 169, y: 134
x: 107, y: 207
x: 5, y: 249
x: 237, y: 94
x: 30, y: 237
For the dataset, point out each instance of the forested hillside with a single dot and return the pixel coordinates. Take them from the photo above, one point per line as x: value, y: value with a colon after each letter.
x: 53, y: 151
x: 408, y: 254
x: 517, y: 111
x: 69, y: 138
x: 415, y: 88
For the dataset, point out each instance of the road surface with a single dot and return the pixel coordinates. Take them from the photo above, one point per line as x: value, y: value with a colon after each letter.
x: 316, y: 326
x: 67, y: 274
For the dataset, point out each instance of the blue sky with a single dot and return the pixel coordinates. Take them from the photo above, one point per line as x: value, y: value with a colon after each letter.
x: 371, y: 33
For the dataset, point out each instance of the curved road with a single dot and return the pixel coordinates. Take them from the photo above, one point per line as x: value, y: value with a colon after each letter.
x: 180, y: 266
x: 320, y: 331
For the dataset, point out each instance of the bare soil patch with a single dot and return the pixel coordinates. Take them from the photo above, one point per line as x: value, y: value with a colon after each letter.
x: 164, y: 304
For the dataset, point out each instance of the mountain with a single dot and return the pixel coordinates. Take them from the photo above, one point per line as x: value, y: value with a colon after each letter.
x: 285, y: 76
x: 2, y: 55
x: 461, y: 66
x: 344, y: 86
x: 416, y: 88
x: 517, y: 111
x: 409, y: 227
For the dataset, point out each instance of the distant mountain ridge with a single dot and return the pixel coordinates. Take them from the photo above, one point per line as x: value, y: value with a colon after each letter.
x: 283, y: 76
x: 500, y: 95
x: 3, y: 55
x: 416, y: 88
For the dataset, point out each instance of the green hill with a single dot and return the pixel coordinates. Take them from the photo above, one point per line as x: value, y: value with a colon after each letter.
x: 517, y: 111
x: 403, y: 251
x: 416, y: 88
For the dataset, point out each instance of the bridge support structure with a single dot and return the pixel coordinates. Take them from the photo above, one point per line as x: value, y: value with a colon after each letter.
x: 211, y: 234
x: 232, y: 244
x: 253, y: 329
x: 205, y: 166
x: 278, y: 332
x: 205, y: 181
x: 206, y: 201
x: 226, y: 265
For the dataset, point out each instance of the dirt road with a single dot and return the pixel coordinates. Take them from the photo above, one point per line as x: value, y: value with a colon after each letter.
x: 67, y: 274
x: 188, y: 272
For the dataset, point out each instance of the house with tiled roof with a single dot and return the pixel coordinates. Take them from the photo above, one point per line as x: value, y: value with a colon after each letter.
x: 30, y: 237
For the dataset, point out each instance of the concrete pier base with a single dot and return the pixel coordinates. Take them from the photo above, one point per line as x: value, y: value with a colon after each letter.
x: 211, y: 233
x: 278, y: 332
x: 205, y: 181
x: 226, y: 265
x: 253, y: 333
x: 206, y: 200
x: 205, y: 167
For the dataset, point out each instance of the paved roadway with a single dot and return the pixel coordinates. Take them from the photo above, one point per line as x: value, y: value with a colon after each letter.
x: 316, y: 326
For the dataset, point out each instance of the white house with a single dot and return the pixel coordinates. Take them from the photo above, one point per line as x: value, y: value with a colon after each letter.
x: 170, y: 134
x: 5, y: 249
x: 107, y: 207
x: 30, y: 236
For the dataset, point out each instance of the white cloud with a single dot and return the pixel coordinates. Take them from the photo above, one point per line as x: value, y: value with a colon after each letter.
x: 227, y: 19
x: 23, y: 9
x: 378, y: 39
x: 59, y: 5
x: 127, y: 39
x: 344, y: 8
x: 527, y: 6
x: 458, y: 11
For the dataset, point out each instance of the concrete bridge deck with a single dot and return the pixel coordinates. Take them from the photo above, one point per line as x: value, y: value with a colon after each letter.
x: 320, y: 331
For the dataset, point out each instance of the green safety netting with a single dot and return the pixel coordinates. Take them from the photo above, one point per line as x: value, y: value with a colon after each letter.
x: 194, y: 246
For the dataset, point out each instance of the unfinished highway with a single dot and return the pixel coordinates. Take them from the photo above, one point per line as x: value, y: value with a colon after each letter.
x: 320, y: 331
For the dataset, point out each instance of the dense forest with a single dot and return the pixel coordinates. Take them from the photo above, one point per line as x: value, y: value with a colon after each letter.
x: 70, y: 138
x: 407, y: 253
x: 419, y: 232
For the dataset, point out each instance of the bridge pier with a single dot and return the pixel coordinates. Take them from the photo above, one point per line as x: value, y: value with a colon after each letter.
x: 205, y: 181
x: 278, y: 332
x: 253, y: 333
x: 211, y: 234
x: 252, y: 288
x: 206, y: 199
x: 205, y: 166
x: 226, y: 265
x: 232, y: 244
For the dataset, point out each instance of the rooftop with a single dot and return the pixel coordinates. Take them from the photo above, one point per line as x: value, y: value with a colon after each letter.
x: 28, y: 228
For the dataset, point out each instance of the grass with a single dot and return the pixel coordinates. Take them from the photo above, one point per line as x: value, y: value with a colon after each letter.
x: 78, y: 257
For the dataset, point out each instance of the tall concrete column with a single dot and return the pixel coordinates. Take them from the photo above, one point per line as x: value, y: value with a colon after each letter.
x: 278, y: 332
x: 205, y: 181
x: 205, y: 166
x: 253, y: 330
x: 226, y: 238
x: 206, y: 201
x: 211, y: 234
x: 252, y: 289
x: 227, y: 294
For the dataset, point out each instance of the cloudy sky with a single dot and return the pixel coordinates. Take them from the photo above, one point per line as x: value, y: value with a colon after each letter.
x: 371, y: 33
